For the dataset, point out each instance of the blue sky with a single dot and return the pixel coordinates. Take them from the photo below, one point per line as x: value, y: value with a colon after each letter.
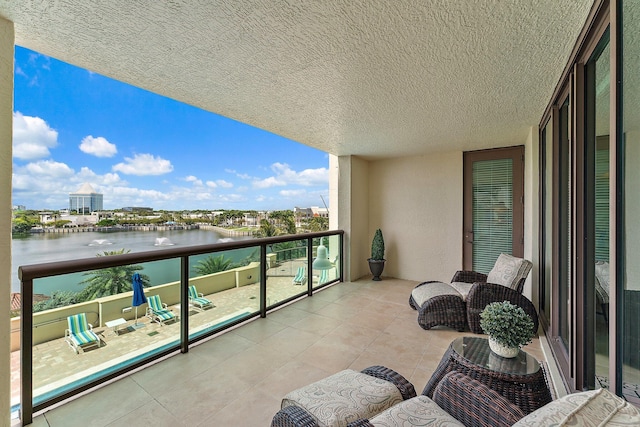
x: 73, y: 126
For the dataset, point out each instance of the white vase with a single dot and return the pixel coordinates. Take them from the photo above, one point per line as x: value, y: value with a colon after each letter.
x: 503, y: 350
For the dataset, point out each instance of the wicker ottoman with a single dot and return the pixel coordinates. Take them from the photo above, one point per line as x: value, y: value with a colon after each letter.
x: 343, y: 397
x: 439, y: 304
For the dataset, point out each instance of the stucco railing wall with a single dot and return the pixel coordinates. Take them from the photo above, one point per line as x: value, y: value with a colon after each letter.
x: 51, y: 324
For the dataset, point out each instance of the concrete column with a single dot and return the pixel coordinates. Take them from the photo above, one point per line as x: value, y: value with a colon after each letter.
x: 349, y: 204
x: 6, y: 132
x: 532, y: 211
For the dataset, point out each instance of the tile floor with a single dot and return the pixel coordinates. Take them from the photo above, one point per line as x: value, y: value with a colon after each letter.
x: 239, y: 378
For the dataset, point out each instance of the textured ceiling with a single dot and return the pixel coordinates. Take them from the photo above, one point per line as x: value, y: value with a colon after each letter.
x: 369, y: 78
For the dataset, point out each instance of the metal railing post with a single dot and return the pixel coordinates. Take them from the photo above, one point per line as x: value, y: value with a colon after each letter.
x: 184, y: 304
x: 263, y: 280
x: 26, y: 350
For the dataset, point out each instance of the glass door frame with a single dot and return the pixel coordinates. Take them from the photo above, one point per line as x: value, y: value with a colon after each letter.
x: 574, y: 359
x: 516, y: 154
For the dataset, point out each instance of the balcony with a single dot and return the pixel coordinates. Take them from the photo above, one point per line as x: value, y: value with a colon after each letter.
x: 238, y: 377
x: 46, y: 371
x: 226, y: 365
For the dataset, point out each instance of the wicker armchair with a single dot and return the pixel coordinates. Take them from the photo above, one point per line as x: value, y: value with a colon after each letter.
x: 482, y: 294
x: 470, y: 403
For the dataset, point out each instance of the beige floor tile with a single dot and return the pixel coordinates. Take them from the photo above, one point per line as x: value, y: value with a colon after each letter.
x: 151, y: 414
x: 260, y: 330
x: 291, y: 341
x: 340, y: 312
x: 291, y: 376
x: 254, y: 408
x: 200, y: 398
x: 239, y: 378
x: 106, y: 404
x: 317, y: 324
x: 288, y: 315
x: 352, y: 335
x: 332, y: 357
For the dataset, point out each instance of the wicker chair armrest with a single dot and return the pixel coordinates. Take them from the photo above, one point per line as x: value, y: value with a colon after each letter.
x: 468, y: 276
x: 405, y: 387
x: 474, y: 404
x: 293, y: 416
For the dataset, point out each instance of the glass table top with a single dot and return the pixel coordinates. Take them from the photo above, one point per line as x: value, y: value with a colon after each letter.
x: 476, y: 351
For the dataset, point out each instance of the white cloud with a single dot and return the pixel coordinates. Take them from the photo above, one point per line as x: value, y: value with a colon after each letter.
x: 49, y: 169
x: 224, y: 184
x: 144, y: 164
x: 98, y: 146
x: 292, y: 193
x: 87, y: 175
x: 269, y: 182
x: 232, y: 198
x: 219, y: 183
x: 32, y: 137
x: 284, y: 175
x: 239, y: 175
x: 20, y: 72
x: 194, y: 180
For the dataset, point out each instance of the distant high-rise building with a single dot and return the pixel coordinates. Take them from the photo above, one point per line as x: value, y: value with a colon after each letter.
x: 85, y: 200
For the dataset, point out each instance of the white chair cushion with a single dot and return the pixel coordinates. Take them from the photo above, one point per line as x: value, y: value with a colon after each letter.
x: 344, y: 397
x: 508, y: 270
x: 589, y: 408
x: 463, y: 288
x: 418, y: 411
x: 425, y: 292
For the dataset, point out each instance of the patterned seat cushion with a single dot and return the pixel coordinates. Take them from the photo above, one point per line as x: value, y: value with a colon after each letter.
x: 427, y: 291
x: 590, y: 408
x: 508, y: 270
x: 344, y: 397
x: 418, y: 411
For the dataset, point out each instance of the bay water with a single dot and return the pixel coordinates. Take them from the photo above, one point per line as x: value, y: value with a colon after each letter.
x: 51, y: 247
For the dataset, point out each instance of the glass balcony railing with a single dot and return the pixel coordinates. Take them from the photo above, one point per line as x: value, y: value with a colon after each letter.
x: 201, y: 291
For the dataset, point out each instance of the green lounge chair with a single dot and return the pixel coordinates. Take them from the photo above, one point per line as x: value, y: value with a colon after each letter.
x: 301, y: 277
x: 80, y: 334
x: 158, y: 312
x: 198, y: 299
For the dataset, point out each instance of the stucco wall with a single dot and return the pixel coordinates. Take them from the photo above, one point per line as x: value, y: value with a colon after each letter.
x: 6, y: 108
x: 359, y: 235
x: 417, y: 202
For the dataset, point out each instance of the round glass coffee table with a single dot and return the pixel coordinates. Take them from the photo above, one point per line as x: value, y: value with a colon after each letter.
x: 520, y: 379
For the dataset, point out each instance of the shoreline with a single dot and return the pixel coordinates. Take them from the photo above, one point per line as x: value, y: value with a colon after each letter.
x: 115, y: 229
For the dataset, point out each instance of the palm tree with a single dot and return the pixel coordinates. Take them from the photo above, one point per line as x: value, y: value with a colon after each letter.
x: 267, y: 229
x: 212, y: 264
x: 112, y: 280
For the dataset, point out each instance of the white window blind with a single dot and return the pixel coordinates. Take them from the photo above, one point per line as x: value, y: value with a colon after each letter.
x: 492, y: 212
x: 602, y: 205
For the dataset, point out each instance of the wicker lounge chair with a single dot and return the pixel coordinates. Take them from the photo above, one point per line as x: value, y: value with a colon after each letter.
x: 455, y: 305
x: 158, y: 312
x: 198, y: 299
x: 80, y: 334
